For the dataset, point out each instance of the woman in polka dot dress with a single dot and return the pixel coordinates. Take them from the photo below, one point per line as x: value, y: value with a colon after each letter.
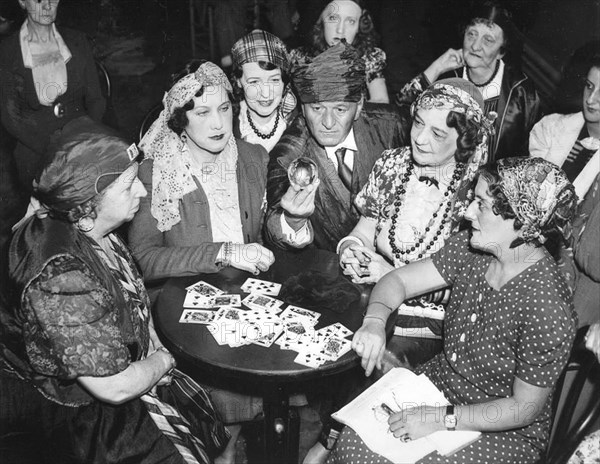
x: 509, y: 327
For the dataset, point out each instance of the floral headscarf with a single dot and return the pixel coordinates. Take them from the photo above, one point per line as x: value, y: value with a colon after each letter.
x: 171, y: 174
x: 534, y: 189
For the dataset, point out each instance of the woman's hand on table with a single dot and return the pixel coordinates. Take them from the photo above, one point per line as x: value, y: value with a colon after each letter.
x: 369, y: 343
x: 414, y: 423
x: 451, y: 59
x: 251, y: 257
x: 592, y: 339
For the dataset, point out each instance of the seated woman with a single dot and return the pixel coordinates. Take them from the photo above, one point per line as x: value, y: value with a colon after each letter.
x: 81, y: 332
x: 206, y: 189
x: 510, y: 322
x: 416, y: 196
x: 261, y: 86
x: 207, y: 199
x: 349, y: 20
x: 489, y: 39
x: 572, y: 141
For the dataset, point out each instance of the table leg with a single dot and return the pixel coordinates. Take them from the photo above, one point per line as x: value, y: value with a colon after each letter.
x: 281, y: 428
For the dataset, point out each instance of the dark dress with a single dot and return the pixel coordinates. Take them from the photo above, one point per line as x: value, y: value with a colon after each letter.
x: 78, y: 316
x: 525, y: 329
x: 32, y: 123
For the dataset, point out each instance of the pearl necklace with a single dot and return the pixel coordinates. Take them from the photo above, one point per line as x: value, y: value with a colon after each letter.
x: 399, y: 254
x: 486, y: 82
x: 257, y: 132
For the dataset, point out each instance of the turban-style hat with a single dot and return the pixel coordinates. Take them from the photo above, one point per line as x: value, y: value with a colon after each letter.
x: 337, y: 74
x: 537, y: 190
x: 85, y: 158
x: 260, y: 46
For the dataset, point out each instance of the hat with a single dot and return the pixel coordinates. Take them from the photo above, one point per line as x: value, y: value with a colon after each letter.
x: 260, y: 46
x: 85, y: 158
x: 337, y: 74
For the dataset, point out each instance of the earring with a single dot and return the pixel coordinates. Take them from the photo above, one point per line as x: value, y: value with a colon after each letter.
x: 85, y: 224
x: 183, y: 137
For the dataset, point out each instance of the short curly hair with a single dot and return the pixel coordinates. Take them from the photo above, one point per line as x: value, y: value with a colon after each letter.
x: 552, y: 232
x: 179, y: 120
x: 469, y: 135
x: 366, y: 38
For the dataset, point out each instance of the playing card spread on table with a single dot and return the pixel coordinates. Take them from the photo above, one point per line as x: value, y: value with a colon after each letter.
x: 335, y: 330
x: 310, y: 359
x: 295, y: 312
x: 334, y: 348
x: 264, y: 287
x: 196, y: 316
x: 204, y: 289
x: 263, y: 302
x: 194, y: 300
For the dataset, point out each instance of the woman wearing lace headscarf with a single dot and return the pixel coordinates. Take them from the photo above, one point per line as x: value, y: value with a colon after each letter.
x: 206, y: 188
x: 205, y: 200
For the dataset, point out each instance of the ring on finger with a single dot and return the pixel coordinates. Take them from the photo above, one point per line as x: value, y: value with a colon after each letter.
x: 404, y: 437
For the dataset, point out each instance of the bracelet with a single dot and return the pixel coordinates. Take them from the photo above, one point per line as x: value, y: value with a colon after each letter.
x: 373, y: 316
x: 348, y: 238
x: 227, y: 253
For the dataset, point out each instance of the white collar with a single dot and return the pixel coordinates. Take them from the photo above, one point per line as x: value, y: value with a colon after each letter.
x: 349, y: 143
x: 26, y: 50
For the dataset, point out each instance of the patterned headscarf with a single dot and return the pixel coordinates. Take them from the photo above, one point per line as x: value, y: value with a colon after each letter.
x: 260, y: 46
x: 534, y: 189
x: 337, y: 74
x: 457, y: 95
x: 171, y: 174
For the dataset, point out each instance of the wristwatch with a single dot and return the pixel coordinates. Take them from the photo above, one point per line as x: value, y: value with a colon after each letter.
x: 450, y: 419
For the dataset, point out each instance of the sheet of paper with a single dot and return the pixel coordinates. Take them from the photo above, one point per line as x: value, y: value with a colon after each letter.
x: 399, y: 389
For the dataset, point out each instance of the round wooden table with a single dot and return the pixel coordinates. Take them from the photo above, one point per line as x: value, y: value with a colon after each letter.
x: 272, y: 369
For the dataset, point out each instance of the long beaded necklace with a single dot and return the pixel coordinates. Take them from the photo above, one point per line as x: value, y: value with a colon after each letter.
x: 257, y: 132
x: 486, y: 82
x: 399, y: 254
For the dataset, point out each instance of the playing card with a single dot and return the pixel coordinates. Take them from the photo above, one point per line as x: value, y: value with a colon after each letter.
x: 295, y: 328
x: 335, y: 330
x: 225, y: 300
x: 204, y: 289
x: 194, y: 300
x: 335, y: 347
x: 262, y: 302
x: 266, y: 333
x: 310, y: 359
x: 196, y: 316
x: 231, y: 313
x: 227, y: 332
x: 264, y: 287
x: 300, y: 343
x: 293, y: 312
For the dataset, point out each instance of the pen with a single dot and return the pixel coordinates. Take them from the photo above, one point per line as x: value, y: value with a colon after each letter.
x: 387, y: 409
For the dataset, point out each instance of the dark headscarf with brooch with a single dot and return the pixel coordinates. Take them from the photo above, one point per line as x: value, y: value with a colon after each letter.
x: 87, y: 158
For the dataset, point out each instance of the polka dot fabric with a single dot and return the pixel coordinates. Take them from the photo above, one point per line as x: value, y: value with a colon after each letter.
x: 525, y: 329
